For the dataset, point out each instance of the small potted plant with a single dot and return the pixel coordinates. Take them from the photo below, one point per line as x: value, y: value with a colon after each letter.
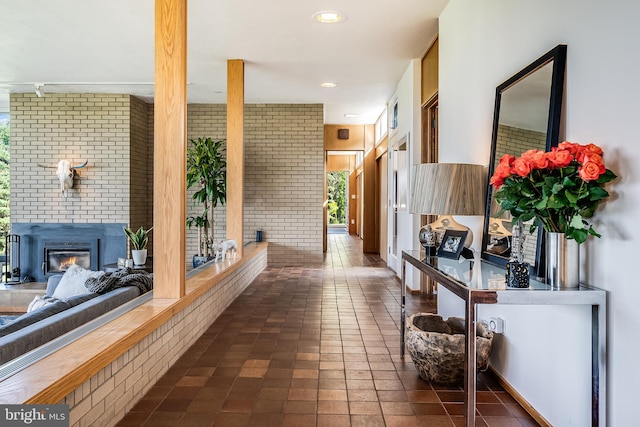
x: 206, y: 169
x: 139, y: 240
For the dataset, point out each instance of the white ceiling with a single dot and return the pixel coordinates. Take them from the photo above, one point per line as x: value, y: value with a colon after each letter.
x: 287, y: 54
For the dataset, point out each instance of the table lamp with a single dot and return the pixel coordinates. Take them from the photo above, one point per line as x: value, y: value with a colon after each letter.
x: 447, y: 189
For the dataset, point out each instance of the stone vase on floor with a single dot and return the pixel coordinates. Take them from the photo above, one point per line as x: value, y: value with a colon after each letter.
x: 563, y: 261
x: 437, y: 347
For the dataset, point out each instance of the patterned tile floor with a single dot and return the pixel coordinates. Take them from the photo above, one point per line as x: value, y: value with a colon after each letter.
x: 314, y: 347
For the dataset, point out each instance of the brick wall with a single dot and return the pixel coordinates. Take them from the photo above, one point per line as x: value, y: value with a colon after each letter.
x: 75, y: 127
x: 140, y: 168
x: 284, y: 167
x: 109, y: 395
x: 512, y: 140
x: 150, y: 164
x: 284, y: 161
x: 516, y: 141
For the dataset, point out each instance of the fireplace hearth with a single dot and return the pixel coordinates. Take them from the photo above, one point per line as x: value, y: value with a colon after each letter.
x: 48, y: 249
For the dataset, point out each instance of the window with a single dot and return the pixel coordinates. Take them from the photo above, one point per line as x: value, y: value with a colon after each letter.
x: 381, y: 126
x: 4, y: 179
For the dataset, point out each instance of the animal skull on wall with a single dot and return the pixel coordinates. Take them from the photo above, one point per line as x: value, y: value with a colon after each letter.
x: 66, y: 174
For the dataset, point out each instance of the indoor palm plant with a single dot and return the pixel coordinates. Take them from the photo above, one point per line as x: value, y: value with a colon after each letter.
x: 207, y: 170
x: 139, y: 240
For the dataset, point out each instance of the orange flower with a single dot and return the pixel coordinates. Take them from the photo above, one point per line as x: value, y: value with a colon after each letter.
x: 590, y: 171
x: 576, y: 173
x: 540, y: 160
x: 521, y: 166
x: 560, y: 158
x: 507, y: 159
x: 593, y: 149
x: 572, y: 147
x: 594, y: 158
x: 503, y: 170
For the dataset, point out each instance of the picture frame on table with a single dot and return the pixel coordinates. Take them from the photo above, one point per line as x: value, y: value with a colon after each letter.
x: 452, y: 243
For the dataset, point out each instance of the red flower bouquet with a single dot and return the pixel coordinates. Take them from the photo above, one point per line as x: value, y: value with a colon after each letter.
x: 561, y: 187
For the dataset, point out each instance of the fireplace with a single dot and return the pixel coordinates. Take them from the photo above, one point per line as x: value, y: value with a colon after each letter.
x: 59, y: 256
x: 48, y: 248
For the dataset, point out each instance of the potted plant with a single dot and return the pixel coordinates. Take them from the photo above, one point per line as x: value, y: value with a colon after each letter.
x: 139, y: 240
x: 206, y: 169
x: 561, y: 189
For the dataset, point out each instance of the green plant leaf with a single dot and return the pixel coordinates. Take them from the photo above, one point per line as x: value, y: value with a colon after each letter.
x: 139, y: 239
x: 579, y: 235
x: 571, y: 197
x: 606, y: 177
x: 598, y: 193
x: 555, y: 202
x: 577, y: 222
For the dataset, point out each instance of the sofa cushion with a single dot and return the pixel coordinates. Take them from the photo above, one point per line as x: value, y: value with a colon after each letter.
x: 34, y: 316
x: 53, y: 306
x: 72, y: 282
x: 80, y: 310
x: 52, y: 284
x: 39, y: 302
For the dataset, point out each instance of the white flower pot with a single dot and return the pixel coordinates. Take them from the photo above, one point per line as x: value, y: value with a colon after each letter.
x: 139, y: 256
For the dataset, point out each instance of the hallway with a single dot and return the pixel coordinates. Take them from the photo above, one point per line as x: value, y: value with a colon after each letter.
x: 309, y: 347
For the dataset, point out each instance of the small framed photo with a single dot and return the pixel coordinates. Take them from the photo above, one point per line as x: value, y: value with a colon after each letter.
x: 452, y: 243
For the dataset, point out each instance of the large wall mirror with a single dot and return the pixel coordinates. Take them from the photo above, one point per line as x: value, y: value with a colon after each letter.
x: 526, y: 116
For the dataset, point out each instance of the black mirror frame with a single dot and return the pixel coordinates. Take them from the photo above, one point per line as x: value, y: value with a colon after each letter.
x: 559, y: 57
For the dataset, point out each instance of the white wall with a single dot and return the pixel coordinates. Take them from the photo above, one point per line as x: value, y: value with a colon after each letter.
x: 481, y: 45
x: 408, y: 96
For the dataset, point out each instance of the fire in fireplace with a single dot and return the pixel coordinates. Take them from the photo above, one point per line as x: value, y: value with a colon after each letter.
x: 59, y: 256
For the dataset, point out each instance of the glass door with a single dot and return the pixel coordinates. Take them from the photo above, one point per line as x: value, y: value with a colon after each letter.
x: 399, y: 161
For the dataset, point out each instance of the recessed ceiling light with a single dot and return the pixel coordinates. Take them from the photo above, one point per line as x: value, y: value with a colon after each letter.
x: 328, y: 84
x: 329, y: 17
x: 350, y: 116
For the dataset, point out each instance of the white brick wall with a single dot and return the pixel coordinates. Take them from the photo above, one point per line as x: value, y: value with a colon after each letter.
x: 284, y: 164
x: 140, y: 168
x: 515, y: 141
x: 109, y: 395
x: 75, y: 127
x: 284, y: 161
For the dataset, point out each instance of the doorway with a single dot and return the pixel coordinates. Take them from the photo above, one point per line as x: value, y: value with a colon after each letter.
x: 337, y: 202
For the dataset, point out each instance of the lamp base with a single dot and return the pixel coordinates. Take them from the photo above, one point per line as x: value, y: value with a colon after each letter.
x: 446, y: 222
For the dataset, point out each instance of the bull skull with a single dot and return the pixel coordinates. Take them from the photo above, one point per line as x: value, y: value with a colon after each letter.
x: 66, y: 173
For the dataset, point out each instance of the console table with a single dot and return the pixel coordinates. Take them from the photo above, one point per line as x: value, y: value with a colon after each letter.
x: 479, y: 282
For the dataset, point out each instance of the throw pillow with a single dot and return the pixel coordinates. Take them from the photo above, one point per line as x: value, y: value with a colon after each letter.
x: 72, y: 282
x: 39, y: 302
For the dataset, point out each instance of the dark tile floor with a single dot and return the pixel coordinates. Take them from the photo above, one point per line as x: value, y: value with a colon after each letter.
x: 314, y: 347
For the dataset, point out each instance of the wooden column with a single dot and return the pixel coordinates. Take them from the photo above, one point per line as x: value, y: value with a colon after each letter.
x: 370, y: 236
x: 235, y: 152
x: 170, y: 114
